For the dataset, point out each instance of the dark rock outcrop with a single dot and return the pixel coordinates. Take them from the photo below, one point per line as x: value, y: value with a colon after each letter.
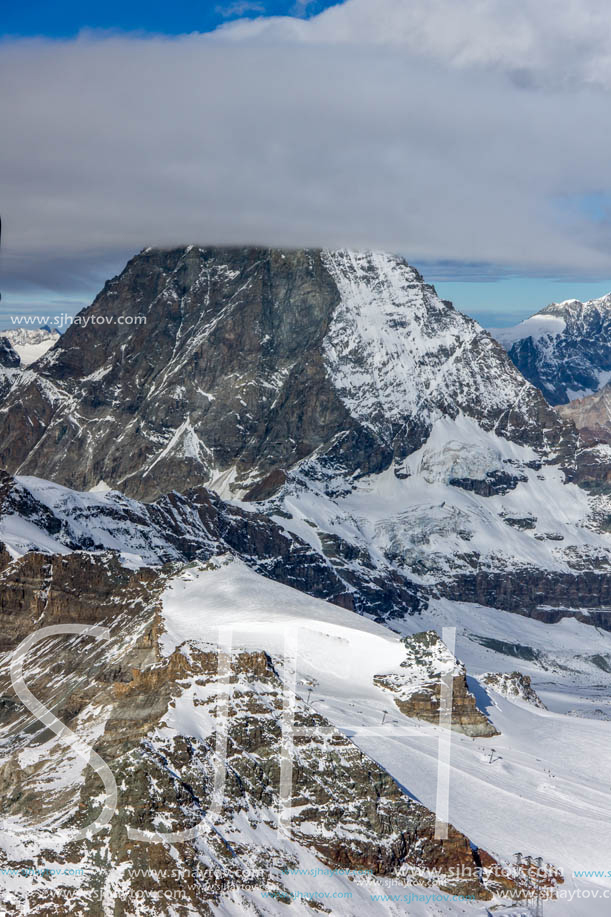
x: 10, y: 366
x: 540, y: 594
x: 513, y: 685
x: 9, y: 358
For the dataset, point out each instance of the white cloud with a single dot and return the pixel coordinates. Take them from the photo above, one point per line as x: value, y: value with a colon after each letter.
x: 239, y: 8
x: 399, y: 130
x: 557, y: 42
x: 301, y: 7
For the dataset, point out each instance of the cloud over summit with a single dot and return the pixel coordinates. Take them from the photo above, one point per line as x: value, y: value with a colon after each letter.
x: 445, y: 131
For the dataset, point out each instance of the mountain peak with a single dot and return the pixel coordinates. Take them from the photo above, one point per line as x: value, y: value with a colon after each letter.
x: 231, y: 364
x: 31, y: 343
x: 565, y: 349
x: 575, y: 307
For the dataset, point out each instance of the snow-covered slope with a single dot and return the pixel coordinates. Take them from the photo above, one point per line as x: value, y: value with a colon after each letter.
x: 401, y: 357
x: 270, y: 796
x: 565, y: 349
x: 470, y: 515
x: 157, y: 720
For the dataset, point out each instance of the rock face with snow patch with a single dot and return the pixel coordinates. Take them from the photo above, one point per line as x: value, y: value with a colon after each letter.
x: 418, y: 692
x: 591, y: 415
x: 565, y: 349
x: 162, y: 721
x: 513, y: 685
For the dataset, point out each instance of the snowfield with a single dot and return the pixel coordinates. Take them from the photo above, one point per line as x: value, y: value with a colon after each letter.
x: 536, y: 327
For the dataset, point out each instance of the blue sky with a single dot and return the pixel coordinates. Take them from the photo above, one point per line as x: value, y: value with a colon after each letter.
x: 429, y: 128
x: 508, y: 300
x: 66, y: 18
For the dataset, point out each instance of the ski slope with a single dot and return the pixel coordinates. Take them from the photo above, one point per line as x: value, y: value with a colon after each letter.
x: 542, y: 791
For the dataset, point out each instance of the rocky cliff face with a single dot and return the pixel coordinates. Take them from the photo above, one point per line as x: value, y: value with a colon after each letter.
x: 9, y: 366
x: 591, y: 415
x: 230, y: 366
x: 225, y: 378
x: 546, y: 596
x: 565, y: 349
x: 9, y: 358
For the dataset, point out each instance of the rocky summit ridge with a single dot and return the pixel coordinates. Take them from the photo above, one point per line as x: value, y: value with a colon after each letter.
x: 252, y: 360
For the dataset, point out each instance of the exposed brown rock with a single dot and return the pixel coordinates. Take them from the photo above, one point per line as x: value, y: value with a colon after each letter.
x: 362, y: 818
x: 418, y: 693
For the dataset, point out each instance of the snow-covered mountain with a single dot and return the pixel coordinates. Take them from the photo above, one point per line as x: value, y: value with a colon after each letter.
x: 252, y: 360
x: 31, y: 343
x: 320, y: 511
x: 364, y: 415
x: 565, y: 349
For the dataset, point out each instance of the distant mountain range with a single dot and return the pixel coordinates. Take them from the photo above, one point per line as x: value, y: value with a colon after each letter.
x: 30, y: 343
x: 565, y: 349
